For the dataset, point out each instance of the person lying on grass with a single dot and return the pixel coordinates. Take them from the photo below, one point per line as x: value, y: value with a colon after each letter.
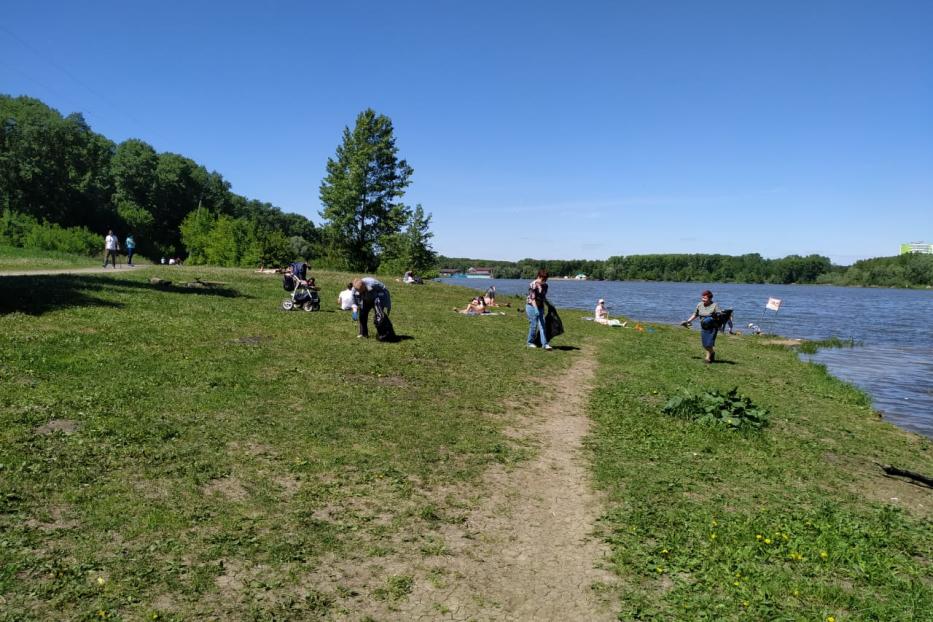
x: 477, y: 306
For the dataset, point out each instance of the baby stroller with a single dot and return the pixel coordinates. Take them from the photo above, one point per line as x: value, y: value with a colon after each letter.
x: 304, y: 293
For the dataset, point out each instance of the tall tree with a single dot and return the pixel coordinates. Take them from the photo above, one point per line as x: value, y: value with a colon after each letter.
x: 362, y: 190
x: 410, y: 249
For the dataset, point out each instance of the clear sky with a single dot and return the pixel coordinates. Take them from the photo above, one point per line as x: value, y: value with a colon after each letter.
x: 536, y: 129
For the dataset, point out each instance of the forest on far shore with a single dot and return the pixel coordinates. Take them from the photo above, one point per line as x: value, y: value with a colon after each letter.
x: 913, y: 270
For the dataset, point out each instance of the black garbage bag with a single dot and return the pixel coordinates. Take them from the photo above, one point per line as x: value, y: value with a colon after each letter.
x: 553, y: 326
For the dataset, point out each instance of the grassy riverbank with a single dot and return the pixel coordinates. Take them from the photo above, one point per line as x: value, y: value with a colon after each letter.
x: 175, y: 453
x: 794, y: 522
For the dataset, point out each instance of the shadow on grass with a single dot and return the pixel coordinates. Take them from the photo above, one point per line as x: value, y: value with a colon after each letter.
x: 398, y: 338
x: 717, y: 361
x: 565, y: 348
x: 36, y: 295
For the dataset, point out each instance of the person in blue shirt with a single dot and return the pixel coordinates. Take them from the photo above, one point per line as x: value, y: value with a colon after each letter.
x: 130, y: 249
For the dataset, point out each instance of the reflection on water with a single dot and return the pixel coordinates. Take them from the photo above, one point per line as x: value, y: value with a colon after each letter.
x: 895, y: 327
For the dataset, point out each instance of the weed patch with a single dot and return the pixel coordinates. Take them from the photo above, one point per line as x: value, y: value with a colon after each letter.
x: 713, y: 407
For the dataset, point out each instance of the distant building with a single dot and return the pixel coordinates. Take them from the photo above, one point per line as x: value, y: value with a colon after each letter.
x: 450, y: 272
x: 479, y: 273
x: 917, y: 247
x: 580, y: 277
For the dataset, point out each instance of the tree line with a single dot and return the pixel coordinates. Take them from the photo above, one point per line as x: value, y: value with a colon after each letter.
x: 901, y: 271
x: 62, y: 186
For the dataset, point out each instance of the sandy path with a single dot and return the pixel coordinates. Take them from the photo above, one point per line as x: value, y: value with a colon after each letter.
x: 528, y: 552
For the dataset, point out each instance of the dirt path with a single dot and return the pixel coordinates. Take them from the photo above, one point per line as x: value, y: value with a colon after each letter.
x: 528, y: 552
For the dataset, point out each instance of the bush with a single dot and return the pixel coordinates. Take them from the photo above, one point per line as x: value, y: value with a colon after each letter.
x: 729, y: 410
x: 26, y: 232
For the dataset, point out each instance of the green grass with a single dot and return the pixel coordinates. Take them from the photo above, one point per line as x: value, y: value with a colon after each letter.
x: 222, y: 441
x: 17, y: 259
x: 226, y: 454
x: 791, y: 522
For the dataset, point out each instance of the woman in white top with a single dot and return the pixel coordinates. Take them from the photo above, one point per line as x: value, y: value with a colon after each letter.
x: 601, y: 313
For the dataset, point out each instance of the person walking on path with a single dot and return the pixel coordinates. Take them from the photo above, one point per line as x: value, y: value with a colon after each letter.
x: 708, y: 312
x: 130, y: 249
x: 111, y: 246
x: 370, y: 294
x: 535, y: 306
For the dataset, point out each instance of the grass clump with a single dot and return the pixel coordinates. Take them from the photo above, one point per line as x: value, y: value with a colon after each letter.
x: 811, y: 346
x: 713, y: 407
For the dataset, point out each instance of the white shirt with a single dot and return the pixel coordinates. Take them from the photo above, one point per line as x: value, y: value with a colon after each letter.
x: 601, y: 311
x: 110, y: 243
x: 346, y: 300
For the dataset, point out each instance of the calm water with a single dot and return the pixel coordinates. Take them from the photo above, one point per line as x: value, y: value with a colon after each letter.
x: 895, y: 326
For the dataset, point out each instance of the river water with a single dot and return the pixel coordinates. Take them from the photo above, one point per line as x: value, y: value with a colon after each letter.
x: 894, y: 362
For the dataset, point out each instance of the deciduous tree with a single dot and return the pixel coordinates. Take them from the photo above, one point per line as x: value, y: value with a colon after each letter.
x: 362, y: 190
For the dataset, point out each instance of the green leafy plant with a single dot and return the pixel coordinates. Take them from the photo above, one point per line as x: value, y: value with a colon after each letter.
x: 811, y: 347
x: 729, y: 410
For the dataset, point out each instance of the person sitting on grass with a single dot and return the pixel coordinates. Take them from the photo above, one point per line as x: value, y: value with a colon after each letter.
x: 601, y: 314
x: 490, y: 298
x: 345, y: 299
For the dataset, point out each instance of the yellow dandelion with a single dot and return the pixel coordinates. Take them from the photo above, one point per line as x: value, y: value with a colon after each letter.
x: 735, y: 583
x: 715, y: 523
x: 664, y: 552
x: 101, y: 580
x: 745, y: 603
x: 796, y: 592
x: 712, y: 536
x: 758, y: 536
x: 659, y: 569
x: 830, y: 618
x: 823, y: 554
x: 767, y: 540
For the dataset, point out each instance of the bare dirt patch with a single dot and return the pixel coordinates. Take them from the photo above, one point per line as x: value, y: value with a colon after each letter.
x: 227, y: 487
x: 65, y: 426
x: 58, y: 521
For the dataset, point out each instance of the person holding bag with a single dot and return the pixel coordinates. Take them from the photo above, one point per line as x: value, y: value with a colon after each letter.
x: 535, y: 306
x: 709, y: 313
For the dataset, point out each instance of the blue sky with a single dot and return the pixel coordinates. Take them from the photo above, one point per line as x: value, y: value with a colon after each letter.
x: 536, y: 129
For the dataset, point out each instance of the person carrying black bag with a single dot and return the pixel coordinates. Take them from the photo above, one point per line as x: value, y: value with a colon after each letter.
x: 372, y: 295
x: 541, y: 327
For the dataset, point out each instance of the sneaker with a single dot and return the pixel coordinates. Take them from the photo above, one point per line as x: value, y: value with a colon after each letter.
x: 531, y: 345
x: 548, y: 347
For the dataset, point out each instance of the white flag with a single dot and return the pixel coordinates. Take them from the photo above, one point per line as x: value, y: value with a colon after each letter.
x: 773, y: 303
